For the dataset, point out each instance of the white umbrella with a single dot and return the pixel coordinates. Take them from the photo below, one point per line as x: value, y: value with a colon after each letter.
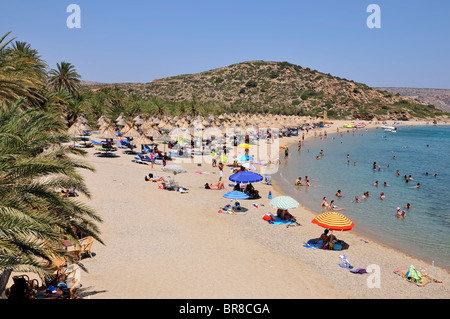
x: 174, y: 168
x: 249, y: 166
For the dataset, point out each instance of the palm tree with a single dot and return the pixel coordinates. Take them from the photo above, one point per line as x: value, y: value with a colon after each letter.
x: 64, y: 77
x: 34, y: 166
x: 22, y: 72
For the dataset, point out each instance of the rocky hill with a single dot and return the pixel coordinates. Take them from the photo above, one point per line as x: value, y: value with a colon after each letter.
x: 282, y: 87
x: 440, y: 98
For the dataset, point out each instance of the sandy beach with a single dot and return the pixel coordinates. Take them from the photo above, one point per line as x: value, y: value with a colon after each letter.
x: 172, y: 245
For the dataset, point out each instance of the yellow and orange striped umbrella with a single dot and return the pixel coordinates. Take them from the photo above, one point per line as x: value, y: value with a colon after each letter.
x: 333, y: 221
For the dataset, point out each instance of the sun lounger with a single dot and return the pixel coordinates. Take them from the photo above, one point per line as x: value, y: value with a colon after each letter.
x: 107, y: 154
x: 139, y: 161
x: 96, y: 143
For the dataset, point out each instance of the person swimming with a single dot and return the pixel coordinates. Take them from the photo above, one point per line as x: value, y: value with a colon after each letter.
x: 333, y: 207
x: 408, y: 206
x: 338, y: 193
x: 299, y: 182
x: 376, y: 183
x: 324, y: 203
x: 400, y: 213
x: 357, y: 200
x: 382, y: 196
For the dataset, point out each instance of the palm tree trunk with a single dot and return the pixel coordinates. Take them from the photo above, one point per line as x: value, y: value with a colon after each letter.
x: 4, y: 277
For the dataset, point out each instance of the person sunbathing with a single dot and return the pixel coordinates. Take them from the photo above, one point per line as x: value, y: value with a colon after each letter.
x: 251, y: 191
x: 326, y: 238
x: 219, y: 185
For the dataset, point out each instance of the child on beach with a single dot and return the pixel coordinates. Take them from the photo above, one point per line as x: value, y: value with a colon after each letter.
x: 324, y: 203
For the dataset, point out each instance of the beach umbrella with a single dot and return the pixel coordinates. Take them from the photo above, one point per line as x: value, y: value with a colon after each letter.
x: 132, y: 132
x: 108, y: 133
x: 333, y: 221
x: 284, y: 202
x: 121, y: 122
x: 249, y: 166
x: 121, y: 116
x: 244, y: 158
x: 142, y: 140
x: 75, y: 129
x: 236, y: 195
x: 174, y: 168
x: 246, y: 177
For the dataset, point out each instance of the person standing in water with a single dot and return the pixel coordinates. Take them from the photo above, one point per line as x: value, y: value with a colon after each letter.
x: 324, y: 203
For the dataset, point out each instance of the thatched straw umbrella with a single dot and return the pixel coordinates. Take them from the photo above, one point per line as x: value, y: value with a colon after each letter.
x: 108, y: 133
x: 121, y: 116
x: 132, y: 132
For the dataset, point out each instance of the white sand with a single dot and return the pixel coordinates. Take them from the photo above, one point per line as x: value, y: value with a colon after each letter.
x: 164, y: 244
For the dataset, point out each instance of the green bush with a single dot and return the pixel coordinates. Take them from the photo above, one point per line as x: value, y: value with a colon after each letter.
x: 251, y: 84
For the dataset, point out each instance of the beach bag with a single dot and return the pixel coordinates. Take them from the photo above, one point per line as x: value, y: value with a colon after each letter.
x: 268, y: 217
x: 337, y: 246
x: 330, y: 245
x: 414, y: 275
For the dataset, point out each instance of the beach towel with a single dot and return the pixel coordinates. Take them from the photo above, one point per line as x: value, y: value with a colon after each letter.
x: 346, y: 263
x: 358, y: 271
x: 279, y: 221
x: 312, y: 244
x: 425, y: 278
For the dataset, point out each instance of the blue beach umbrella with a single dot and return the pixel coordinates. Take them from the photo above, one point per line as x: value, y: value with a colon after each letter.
x: 246, y: 177
x: 236, y: 195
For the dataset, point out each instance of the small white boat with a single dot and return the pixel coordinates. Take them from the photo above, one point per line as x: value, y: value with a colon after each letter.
x: 387, y: 127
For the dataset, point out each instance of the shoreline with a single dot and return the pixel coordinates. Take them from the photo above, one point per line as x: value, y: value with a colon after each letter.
x: 163, y: 244
x: 371, y: 236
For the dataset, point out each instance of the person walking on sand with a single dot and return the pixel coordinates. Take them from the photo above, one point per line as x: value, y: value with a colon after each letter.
x: 286, y: 152
x: 220, y: 171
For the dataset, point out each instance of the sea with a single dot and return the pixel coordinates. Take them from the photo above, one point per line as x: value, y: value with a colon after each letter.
x: 419, y: 152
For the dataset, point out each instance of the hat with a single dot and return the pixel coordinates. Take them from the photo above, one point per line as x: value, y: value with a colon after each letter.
x: 398, y: 208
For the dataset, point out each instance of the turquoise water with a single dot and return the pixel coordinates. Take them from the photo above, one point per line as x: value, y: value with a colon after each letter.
x: 425, y: 230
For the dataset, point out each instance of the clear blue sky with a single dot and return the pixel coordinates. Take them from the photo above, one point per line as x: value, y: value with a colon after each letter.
x: 140, y: 40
